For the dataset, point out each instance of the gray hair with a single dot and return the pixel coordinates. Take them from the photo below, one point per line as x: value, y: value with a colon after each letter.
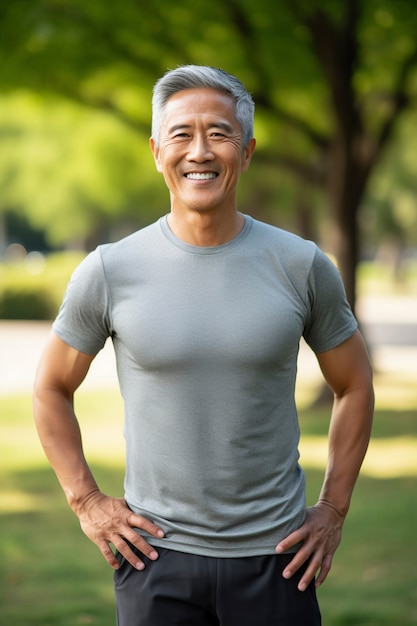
x: 200, y: 77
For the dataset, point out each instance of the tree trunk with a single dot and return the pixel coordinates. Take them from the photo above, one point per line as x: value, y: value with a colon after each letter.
x: 345, y: 183
x: 346, y: 251
x: 3, y: 233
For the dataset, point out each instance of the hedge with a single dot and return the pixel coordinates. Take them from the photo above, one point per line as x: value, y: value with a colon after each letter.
x: 25, y: 295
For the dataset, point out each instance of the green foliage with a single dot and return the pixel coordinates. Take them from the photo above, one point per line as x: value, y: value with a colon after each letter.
x: 34, y: 291
x: 74, y: 173
x: 109, y: 57
x: 331, y: 80
x: 390, y: 211
x: 26, y: 302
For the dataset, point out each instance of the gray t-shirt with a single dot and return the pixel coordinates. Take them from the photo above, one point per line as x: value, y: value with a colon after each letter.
x: 206, y: 342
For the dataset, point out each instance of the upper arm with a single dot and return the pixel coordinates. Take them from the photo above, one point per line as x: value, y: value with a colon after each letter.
x: 61, y: 367
x: 347, y: 366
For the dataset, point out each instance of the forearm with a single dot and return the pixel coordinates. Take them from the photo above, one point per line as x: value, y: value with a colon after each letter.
x: 105, y: 520
x: 318, y: 537
x: 60, y: 437
x: 349, y: 434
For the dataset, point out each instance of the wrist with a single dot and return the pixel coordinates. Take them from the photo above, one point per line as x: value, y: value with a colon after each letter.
x: 341, y: 512
x: 78, y: 498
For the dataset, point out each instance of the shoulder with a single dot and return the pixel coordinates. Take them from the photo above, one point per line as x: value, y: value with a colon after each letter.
x: 122, y: 256
x: 134, y: 242
x: 288, y: 248
x: 278, y: 236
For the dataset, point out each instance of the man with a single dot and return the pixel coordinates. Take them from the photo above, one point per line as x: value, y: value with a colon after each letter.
x: 205, y: 309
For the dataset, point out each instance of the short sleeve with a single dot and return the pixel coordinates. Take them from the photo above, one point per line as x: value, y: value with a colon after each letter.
x: 83, y: 319
x: 331, y: 320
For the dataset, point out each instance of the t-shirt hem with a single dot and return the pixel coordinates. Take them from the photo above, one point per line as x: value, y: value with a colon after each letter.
x: 216, y: 552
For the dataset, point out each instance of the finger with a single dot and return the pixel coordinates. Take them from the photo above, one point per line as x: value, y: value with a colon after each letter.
x: 299, y: 559
x: 138, y: 521
x: 108, y: 554
x: 292, y: 540
x: 324, y: 570
x: 139, y: 542
x: 142, y: 546
x: 314, y: 565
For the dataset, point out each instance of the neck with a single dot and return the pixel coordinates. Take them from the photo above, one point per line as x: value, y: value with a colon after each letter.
x: 205, y: 229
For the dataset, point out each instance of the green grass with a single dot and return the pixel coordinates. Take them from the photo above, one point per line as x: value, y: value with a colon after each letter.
x: 50, y: 574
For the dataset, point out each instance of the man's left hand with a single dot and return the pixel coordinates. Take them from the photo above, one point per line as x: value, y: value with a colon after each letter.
x: 320, y: 535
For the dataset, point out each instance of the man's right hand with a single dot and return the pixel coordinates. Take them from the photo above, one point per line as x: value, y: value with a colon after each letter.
x: 106, y: 520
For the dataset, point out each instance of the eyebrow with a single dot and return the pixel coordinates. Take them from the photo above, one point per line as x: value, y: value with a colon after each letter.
x: 220, y: 125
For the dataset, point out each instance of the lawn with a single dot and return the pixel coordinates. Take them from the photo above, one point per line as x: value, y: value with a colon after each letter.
x: 52, y: 575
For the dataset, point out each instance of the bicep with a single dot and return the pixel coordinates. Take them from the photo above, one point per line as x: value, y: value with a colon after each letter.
x: 347, y: 366
x: 61, y: 367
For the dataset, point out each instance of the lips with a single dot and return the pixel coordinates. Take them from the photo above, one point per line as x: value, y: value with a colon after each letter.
x: 201, y: 175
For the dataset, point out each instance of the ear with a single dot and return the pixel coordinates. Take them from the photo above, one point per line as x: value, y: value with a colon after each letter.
x: 247, y: 153
x: 155, y: 151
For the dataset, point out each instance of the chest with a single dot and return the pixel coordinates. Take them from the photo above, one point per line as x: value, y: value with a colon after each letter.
x: 208, y: 312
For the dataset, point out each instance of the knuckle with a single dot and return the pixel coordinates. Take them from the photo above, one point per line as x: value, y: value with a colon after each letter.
x: 135, y: 521
x: 106, y: 551
x: 119, y: 544
x: 134, y: 538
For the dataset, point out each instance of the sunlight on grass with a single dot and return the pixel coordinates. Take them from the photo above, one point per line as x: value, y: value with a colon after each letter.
x: 390, y: 457
x: 19, y: 447
x: 50, y: 567
x: 396, y: 391
x: 101, y: 418
x: 387, y: 457
x: 18, y: 501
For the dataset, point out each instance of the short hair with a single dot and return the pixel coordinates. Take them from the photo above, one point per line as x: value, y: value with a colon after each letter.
x: 200, y: 77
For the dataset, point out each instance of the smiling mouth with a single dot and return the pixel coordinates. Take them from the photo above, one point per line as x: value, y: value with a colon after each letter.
x: 201, y: 175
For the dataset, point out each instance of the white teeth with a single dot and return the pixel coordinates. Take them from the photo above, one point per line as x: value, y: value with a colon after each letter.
x: 202, y: 176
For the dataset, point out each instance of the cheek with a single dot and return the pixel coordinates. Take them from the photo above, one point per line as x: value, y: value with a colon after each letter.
x: 168, y: 157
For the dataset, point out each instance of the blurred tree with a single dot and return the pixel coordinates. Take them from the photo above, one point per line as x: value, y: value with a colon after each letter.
x: 330, y: 78
x: 73, y: 173
x: 389, y: 215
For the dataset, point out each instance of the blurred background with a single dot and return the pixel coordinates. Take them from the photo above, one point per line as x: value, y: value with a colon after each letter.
x: 335, y: 86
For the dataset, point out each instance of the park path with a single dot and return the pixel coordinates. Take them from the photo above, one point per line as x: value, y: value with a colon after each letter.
x: 390, y: 323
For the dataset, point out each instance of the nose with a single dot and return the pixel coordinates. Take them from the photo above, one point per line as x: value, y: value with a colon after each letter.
x: 199, y: 149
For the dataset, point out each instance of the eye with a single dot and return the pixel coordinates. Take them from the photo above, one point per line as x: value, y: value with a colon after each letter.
x: 179, y: 133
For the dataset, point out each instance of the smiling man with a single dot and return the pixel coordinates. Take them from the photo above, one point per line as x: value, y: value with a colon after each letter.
x: 206, y: 309
x: 200, y: 152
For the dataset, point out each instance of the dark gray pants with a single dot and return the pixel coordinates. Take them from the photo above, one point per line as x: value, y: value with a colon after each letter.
x: 188, y: 590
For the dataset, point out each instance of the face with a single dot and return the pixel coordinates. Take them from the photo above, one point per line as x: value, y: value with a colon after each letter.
x: 200, y: 152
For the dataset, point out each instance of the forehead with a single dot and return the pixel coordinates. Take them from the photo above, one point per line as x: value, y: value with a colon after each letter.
x: 207, y: 105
